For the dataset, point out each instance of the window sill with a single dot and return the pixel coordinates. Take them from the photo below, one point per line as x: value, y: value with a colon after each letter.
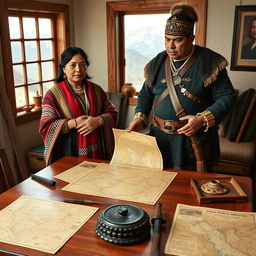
x: 24, y: 117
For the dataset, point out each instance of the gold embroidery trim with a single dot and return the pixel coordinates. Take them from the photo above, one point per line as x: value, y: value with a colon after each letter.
x: 210, y: 118
x: 140, y: 115
x: 215, y: 72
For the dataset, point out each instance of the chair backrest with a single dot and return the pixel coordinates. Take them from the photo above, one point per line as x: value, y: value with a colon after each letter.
x: 121, y: 103
x: 241, y: 115
x: 123, y: 110
x: 6, y: 177
x: 226, y: 121
x: 248, y: 122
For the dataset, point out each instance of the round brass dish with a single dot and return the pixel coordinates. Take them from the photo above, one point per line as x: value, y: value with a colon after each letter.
x: 214, y: 187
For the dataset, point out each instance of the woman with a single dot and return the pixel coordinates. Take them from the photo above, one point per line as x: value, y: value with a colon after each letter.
x: 77, y: 116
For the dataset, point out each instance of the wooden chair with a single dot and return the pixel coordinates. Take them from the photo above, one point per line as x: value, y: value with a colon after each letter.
x: 121, y: 103
x: 238, y: 142
x: 6, y: 177
x: 35, y: 157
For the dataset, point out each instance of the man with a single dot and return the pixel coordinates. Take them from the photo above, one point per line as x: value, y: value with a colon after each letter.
x: 249, y: 49
x: 204, y: 91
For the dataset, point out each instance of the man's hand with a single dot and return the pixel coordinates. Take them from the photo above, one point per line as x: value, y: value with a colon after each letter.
x: 135, y: 125
x: 193, y: 125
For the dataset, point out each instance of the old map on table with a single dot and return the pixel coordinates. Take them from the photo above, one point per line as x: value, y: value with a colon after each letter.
x: 143, y: 185
x: 200, y: 231
x: 76, y: 172
x: 136, y: 149
x: 40, y: 224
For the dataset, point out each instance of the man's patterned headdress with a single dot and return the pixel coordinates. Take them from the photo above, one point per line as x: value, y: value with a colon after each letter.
x: 182, y: 20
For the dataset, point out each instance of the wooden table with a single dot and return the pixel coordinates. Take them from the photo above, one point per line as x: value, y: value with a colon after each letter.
x: 85, y: 242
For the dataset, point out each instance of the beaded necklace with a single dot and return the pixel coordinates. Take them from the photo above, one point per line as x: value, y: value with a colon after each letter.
x: 175, y: 71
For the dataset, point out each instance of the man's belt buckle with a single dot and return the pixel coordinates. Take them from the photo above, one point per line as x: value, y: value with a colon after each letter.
x: 170, y: 128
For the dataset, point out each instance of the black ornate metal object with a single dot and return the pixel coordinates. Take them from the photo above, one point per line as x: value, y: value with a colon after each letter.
x: 123, y: 224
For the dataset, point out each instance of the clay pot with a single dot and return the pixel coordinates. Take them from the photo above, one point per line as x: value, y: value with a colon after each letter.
x: 130, y: 87
x: 27, y: 109
x: 37, y: 101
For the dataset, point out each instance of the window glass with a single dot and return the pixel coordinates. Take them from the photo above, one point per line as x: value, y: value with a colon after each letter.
x: 144, y: 39
x: 16, y: 52
x: 34, y: 43
x: 14, y: 27
x: 45, y: 28
x: 47, y: 70
x: 20, y: 97
x: 31, y: 51
x: 18, y: 75
x: 32, y: 73
x: 47, y: 86
x: 46, y: 50
x: 34, y: 49
x: 29, y: 28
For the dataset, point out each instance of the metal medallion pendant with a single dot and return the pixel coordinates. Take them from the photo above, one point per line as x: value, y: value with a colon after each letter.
x: 183, y: 90
x: 176, y: 79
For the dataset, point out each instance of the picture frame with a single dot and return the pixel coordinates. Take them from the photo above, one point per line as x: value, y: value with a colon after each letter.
x: 243, y: 56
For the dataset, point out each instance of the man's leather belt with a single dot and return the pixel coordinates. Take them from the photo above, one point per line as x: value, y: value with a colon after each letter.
x: 168, y: 126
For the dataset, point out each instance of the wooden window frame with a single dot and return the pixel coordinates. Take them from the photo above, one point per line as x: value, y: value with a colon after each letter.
x: 61, y: 13
x: 115, y: 32
x: 39, y: 61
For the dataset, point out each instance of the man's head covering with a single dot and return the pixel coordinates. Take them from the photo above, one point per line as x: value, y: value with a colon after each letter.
x: 182, y: 21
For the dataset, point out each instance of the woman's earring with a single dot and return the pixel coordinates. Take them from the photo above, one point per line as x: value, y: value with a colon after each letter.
x: 64, y: 76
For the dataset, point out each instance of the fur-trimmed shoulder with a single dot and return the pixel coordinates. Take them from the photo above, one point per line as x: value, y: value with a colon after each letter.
x: 152, y: 68
x: 212, y: 64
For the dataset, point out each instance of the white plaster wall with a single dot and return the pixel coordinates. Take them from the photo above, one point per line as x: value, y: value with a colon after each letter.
x: 92, y: 38
x: 219, y: 37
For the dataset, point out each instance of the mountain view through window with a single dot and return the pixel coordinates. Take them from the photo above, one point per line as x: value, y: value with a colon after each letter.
x: 144, y: 39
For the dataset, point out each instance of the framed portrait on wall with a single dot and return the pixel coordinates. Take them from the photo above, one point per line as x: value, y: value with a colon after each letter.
x: 243, y: 56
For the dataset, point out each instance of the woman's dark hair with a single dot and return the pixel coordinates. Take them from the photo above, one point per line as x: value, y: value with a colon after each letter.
x: 66, y: 56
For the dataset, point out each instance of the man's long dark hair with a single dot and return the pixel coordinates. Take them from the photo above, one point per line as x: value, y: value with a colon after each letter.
x: 66, y: 56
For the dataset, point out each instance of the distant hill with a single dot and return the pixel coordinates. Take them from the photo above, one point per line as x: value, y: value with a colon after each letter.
x: 135, y: 63
x: 144, y: 39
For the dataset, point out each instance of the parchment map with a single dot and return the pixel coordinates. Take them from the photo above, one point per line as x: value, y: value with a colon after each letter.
x: 200, y: 231
x: 76, y: 172
x: 40, y: 224
x: 143, y: 185
x: 136, y: 149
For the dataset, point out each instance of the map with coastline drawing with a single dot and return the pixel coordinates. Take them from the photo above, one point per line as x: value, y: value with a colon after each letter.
x: 200, y: 231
